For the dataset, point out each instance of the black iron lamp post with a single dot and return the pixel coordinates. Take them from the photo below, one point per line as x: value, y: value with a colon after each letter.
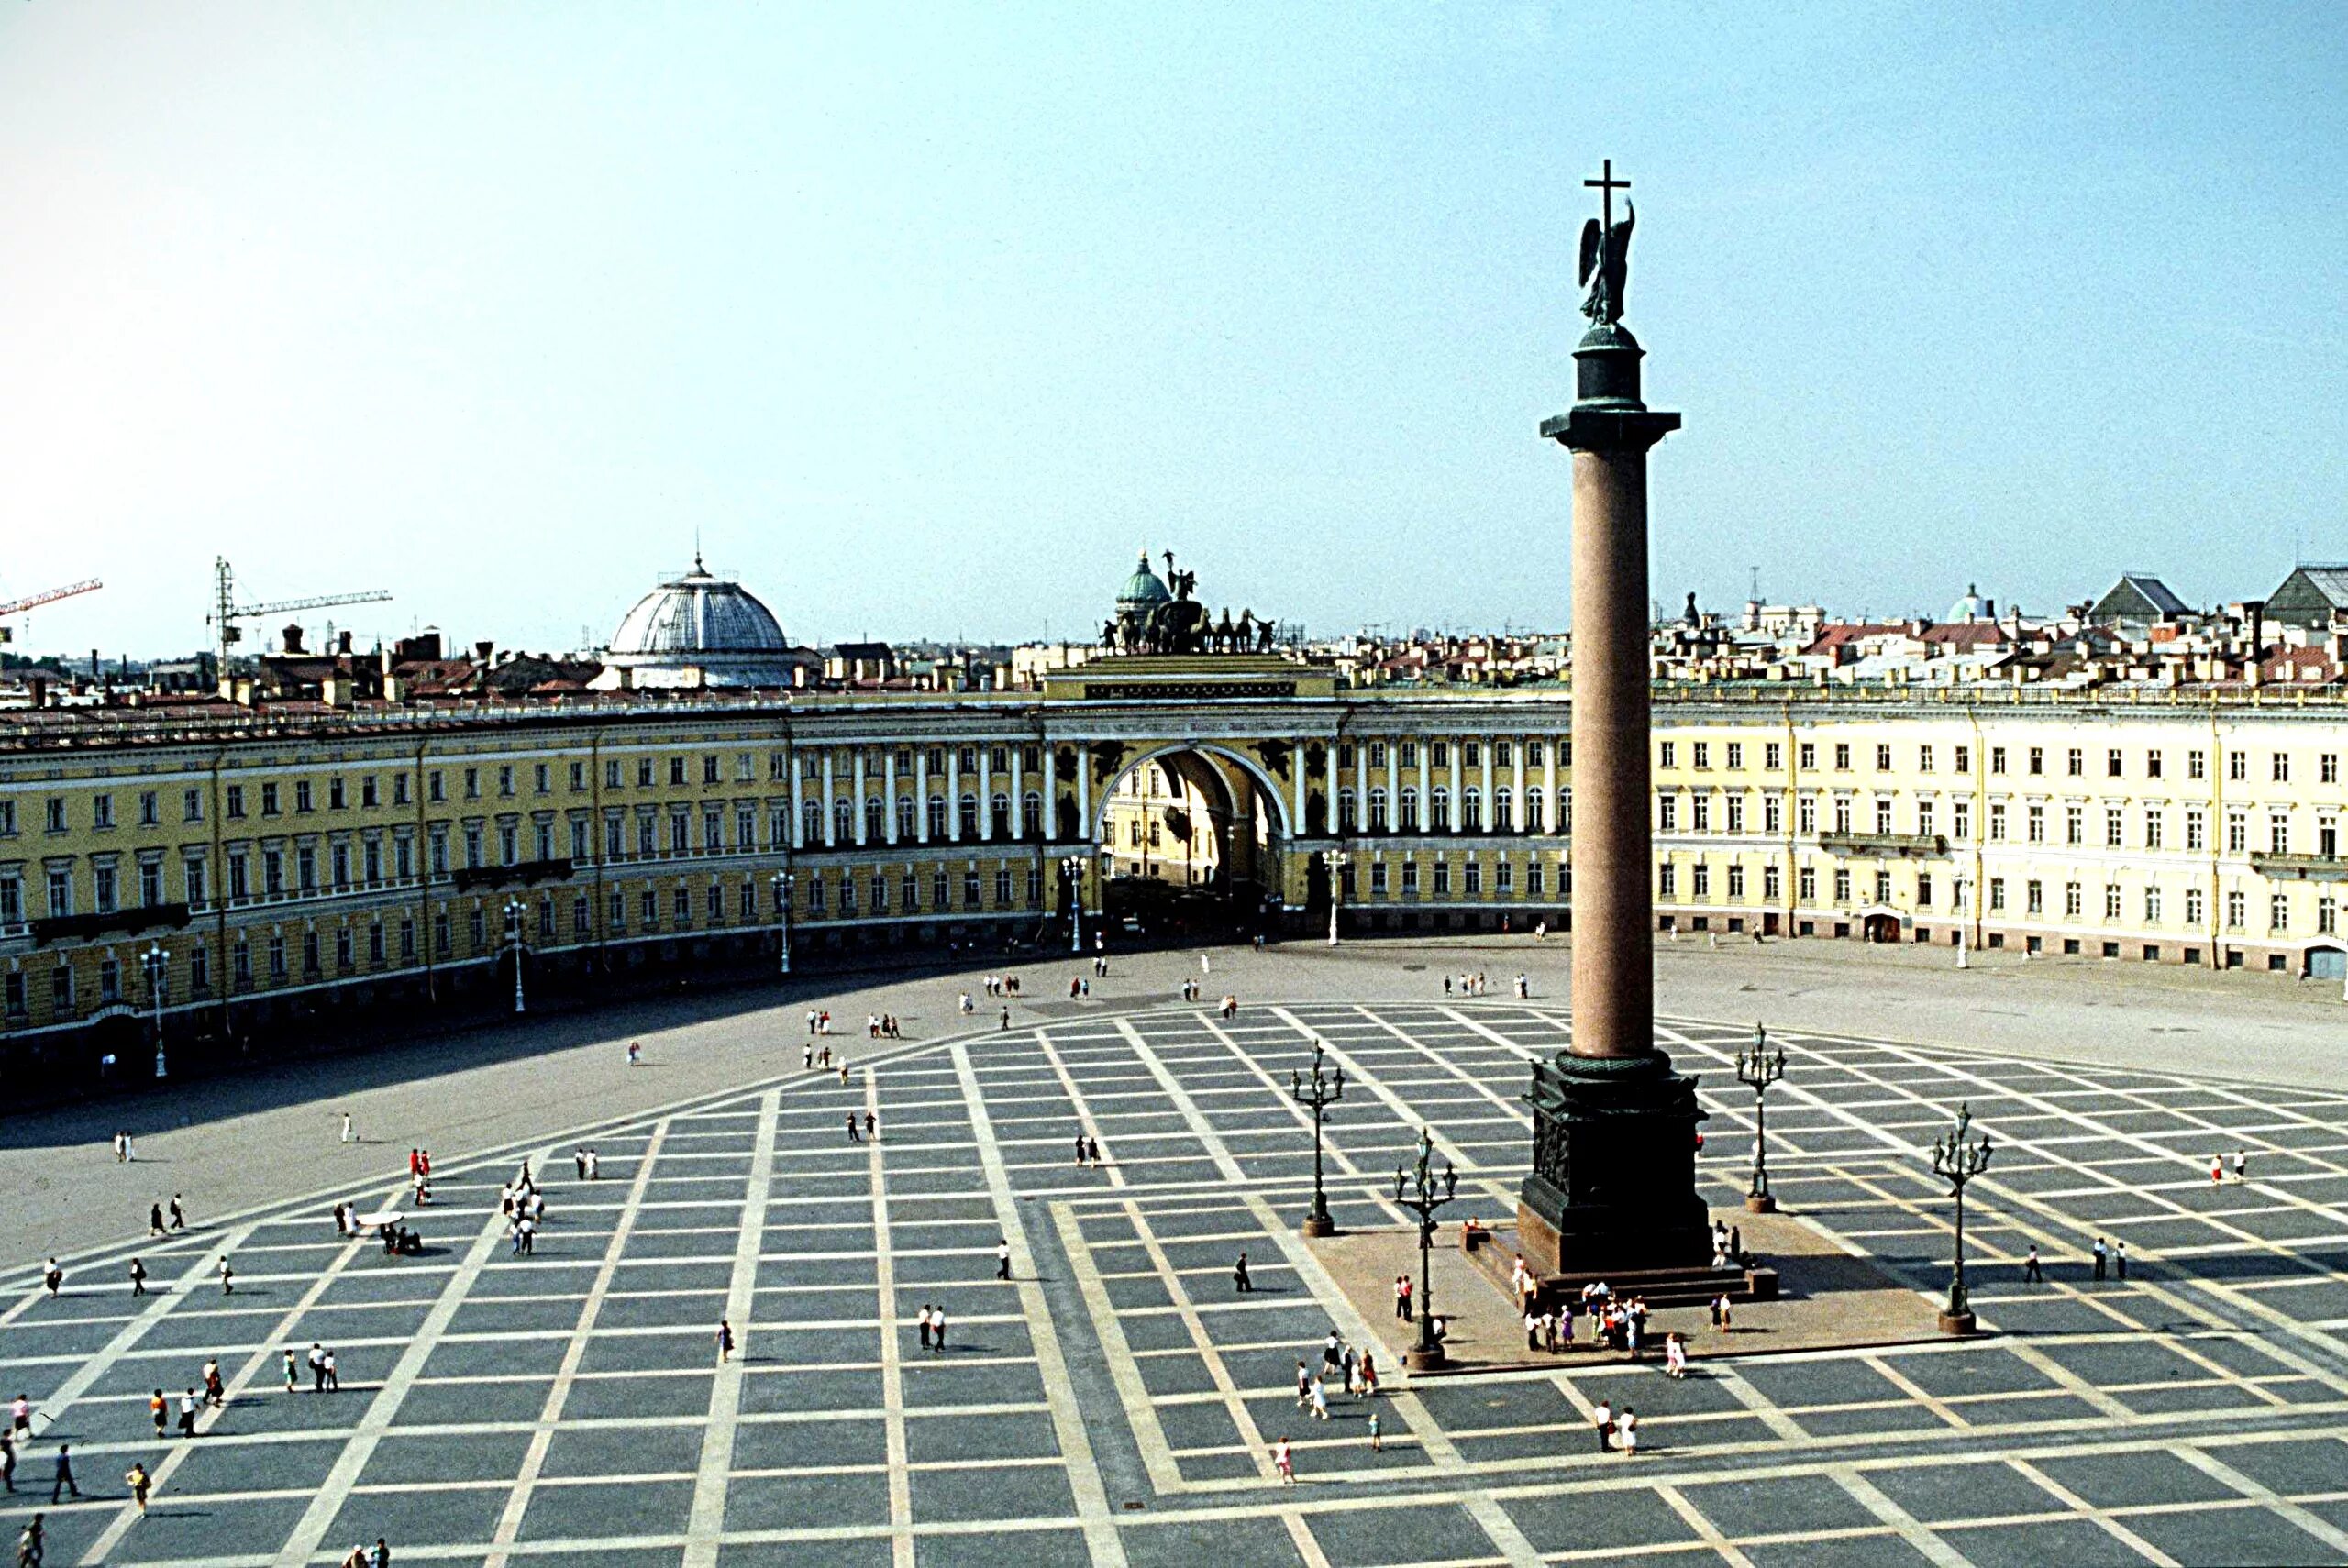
x: 784, y: 882
x: 1319, y: 1092
x: 1958, y: 1163
x: 514, y: 909
x: 1419, y: 1191
x: 1756, y: 1068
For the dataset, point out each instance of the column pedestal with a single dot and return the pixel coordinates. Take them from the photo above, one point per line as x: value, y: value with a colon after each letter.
x: 1614, y: 1182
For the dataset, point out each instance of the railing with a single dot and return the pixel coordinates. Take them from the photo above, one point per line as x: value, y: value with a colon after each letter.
x: 525, y: 871
x: 145, y: 917
x: 2304, y: 867
x: 1901, y: 844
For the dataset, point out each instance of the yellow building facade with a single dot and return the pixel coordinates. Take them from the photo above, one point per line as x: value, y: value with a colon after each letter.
x: 254, y: 870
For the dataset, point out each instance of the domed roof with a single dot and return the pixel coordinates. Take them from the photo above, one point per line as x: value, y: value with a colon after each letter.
x: 1143, y: 589
x: 699, y: 613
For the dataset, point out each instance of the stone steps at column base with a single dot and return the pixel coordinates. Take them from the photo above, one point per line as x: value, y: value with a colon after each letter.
x: 1494, y: 1254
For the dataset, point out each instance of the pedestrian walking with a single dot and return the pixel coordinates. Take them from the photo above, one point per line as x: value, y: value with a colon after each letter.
x: 2031, y: 1272
x: 63, y: 1481
x: 938, y: 1330
x: 1377, y: 1442
x: 159, y: 1410
x: 227, y: 1278
x: 1283, y: 1455
x: 2102, y: 1256
x: 2217, y: 1169
x: 138, y: 1277
x: 154, y: 1219
x: 724, y: 1342
x: 1080, y: 1148
x: 179, y: 1215
x: 1006, y: 1018
x: 1626, y: 1431
x: 333, y: 1375
x: 317, y: 1367
x: 382, y: 1556
x: 871, y: 1126
x: 1239, y: 1279
x: 1303, y: 1386
x: 346, y: 1127
x: 187, y: 1412
x: 2120, y: 1259
x: 32, y: 1545
x: 1003, y: 1259
x: 1093, y: 1151
x: 20, y: 1418
x: 137, y: 1480
x: 289, y: 1370
x: 924, y: 1325
x: 1602, y: 1417
x: 1320, y: 1392
x: 8, y: 1462
x: 843, y: 1070
x: 2242, y: 1165
x: 853, y: 1136
x: 215, y: 1391
x: 52, y: 1276
x: 1402, y: 1296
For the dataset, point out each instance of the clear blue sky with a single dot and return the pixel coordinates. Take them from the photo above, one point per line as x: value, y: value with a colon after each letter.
x: 927, y: 319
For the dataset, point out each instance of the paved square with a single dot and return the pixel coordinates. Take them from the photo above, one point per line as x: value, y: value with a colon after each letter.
x: 1114, y: 1401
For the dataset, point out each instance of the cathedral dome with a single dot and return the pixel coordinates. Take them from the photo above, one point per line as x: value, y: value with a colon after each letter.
x: 699, y: 613
x: 1144, y: 589
x: 701, y: 629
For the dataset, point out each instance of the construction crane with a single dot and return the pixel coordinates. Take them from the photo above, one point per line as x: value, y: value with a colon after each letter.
x: 226, y: 612
x: 16, y: 606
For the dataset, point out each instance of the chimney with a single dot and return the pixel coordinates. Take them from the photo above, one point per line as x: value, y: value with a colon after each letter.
x: 2258, y: 608
x: 293, y: 639
x: 39, y: 689
x: 342, y: 643
x: 483, y: 649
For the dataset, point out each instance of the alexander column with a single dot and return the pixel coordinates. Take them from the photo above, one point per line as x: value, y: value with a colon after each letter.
x: 1614, y: 1182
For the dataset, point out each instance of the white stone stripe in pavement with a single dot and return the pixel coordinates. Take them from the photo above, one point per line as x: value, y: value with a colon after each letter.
x: 534, y: 1458
x: 335, y: 1490
x: 1183, y: 1104
x: 893, y: 1371
x: 2095, y: 1516
x: 2217, y: 1470
x: 158, y: 1305
x: 707, y: 1520
x: 1141, y: 1411
x: 1911, y: 1529
x: 1706, y: 1531
x: 1101, y: 1538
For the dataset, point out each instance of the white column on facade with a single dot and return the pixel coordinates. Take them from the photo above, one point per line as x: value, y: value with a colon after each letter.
x: 1491, y: 816
x: 1555, y: 820
x: 1332, y: 820
x: 1296, y: 772
x: 889, y: 796
x: 1458, y: 785
x: 954, y: 794
x: 831, y: 820
x: 1051, y: 794
x: 798, y: 802
x: 1083, y: 796
x: 1426, y: 785
x: 861, y: 833
x: 921, y: 794
x: 1018, y: 792
x: 986, y: 792
x: 1516, y: 782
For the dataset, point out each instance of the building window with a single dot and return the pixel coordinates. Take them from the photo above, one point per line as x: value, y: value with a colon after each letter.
x: 1805, y: 884
x: 2073, y: 900
x: 1806, y: 754
x: 2036, y: 763
x: 1842, y: 884
x: 2113, y: 835
x: 1377, y: 878
x: 1841, y: 756
x: 1668, y: 813
x: 2281, y: 765
x: 2196, y: 765
x: 1735, y: 881
x: 2034, y: 893
x: 1410, y: 878
x: 1997, y: 895
x: 2237, y: 910
x: 2193, y: 906
x: 2279, y: 913
x: 1772, y: 884
x: 1667, y: 880
x: 1441, y: 878
x: 1700, y: 880
x: 2111, y: 901
x: 1474, y: 874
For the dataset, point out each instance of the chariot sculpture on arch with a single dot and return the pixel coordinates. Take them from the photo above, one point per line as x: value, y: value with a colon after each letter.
x: 1163, y: 615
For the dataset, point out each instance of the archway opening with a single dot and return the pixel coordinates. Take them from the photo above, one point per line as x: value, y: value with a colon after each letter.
x: 1186, y: 841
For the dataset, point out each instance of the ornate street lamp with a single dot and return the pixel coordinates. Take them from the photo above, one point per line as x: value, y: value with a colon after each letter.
x: 1958, y: 1162
x: 1418, y: 1191
x: 514, y: 909
x: 1337, y: 860
x: 784, y: 882
x: 157, y: 962
x: 1319, y: 1092
x: 1757, y: 1069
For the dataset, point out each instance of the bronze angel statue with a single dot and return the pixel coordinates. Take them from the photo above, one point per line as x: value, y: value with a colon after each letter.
x: 1605, y: 262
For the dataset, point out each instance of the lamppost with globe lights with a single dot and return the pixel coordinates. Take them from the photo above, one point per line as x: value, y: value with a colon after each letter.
x: 1757, y: 1069
x: 157, y: 967
x: 1338, y: 861
x: 1319, y: 1092
x: 783, y: 883
x: 1072, y: 884
x: 1958, y: 1162
x: 514, y: 909
x: 1418, y: 1190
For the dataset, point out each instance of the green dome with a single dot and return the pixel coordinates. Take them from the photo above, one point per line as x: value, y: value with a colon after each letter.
x: 1143, y: 589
